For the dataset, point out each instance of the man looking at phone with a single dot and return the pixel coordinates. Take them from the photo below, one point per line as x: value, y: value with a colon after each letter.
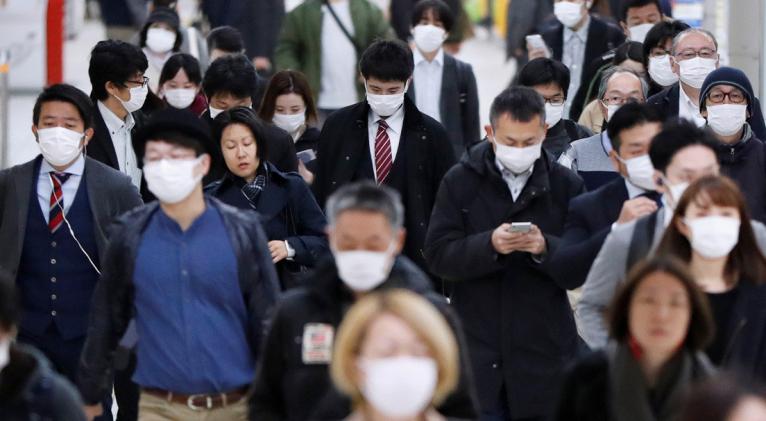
x: 497, y: 218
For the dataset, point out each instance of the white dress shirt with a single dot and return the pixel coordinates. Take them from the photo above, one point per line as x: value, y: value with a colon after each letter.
x: 339, y: 61
x: 515, y: 182
x: 395, y: 123
x: 573, y: 56
x: 633, y: 191
x: 428, y: 83
x: 68, y: 188
x: 687, y: 109
x: 119, y: 131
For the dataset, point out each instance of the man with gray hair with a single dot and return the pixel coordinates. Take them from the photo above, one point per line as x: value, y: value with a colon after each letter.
x: 589, y: 157
x: 366, y: 238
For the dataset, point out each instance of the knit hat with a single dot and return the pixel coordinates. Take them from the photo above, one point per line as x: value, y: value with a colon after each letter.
x: 727, y: 76
x: 170, y: 122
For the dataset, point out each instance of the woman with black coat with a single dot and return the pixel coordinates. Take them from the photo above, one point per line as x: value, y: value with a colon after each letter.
x: 292, y: 219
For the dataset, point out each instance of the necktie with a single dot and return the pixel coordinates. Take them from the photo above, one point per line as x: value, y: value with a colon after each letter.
x: 56, y: 215
x: 383, y: 159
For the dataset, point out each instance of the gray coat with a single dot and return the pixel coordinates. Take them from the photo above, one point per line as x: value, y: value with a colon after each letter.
x: 608, y: 272
x: 111, y: 194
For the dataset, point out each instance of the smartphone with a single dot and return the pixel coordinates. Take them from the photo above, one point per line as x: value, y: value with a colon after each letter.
x: 536, y: 42
x: 523, y: 227
x: 307, y: 156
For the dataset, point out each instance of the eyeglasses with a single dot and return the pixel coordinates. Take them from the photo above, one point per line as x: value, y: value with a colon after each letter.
x: 659, y: 52
x: 735, y: 97
x: 690, y: 54
x: 171, y: 157
x: 618, y: 100
x: 554, y: 101
x: 140, y: 83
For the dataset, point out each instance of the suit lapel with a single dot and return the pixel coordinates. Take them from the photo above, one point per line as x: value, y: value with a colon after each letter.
x: 615, y: 196
x: 98, y: 201
x: 449, y: 88
x: 595, y: 42
x: 103, y: 140
x: 25, y: 176
x: 557, y: 43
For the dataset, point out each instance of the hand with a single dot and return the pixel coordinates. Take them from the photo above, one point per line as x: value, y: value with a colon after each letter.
x: 534, y: 242
x: 93, y: 411
x: 262, y: 63
x: 636, y: 208
x: 307, y: 175
x: 504, y: 241
x: 278, y: 250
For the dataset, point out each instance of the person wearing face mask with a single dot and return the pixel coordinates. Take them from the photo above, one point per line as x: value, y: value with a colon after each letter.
x: 712, y: 232
x: 159, y: 39
x: 659, y: 326
x: 55, y: 232
x: 592, y: 215
x: 637, y: 18
x: 180, y: 83
x: 443, y: 87
x: 590, y: 157
x: 496, y: 222
x: 29, y: 387
x: 218, y: 253
x: 386, y: 138
x: 657, y: 46
x: 550, y: 78
x: 726, y: 99
x: 366, y: 237
x: 395, y: 357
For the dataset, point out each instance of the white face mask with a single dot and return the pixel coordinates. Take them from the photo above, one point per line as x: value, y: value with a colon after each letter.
x: 713, y: 237
x: 137, y: 98
x: 215, y: 111
x: 172, y: 180
x: 59, y: 145
x: 518, y: 160
x: 290, y: 122
x: 568, y: 13
x: 428, y: 38
x: 638, y: 32
x: 5, y: 353
x: 363, y: 270
x: 160, y: 40
x: 726, y: 119
x: 399, y: 387
x: 640, y: 172
x: 695, y: 70
x: 553, y: 114
x: 610, y: 110
x: 661, y: 71
x: 386, y: 105
x: 180, y: 98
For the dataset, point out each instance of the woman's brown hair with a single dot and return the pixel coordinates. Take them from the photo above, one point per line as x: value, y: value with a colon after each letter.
x: 287, y: 82
x: 746, y: 260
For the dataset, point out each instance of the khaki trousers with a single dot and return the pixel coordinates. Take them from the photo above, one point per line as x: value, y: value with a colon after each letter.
x: 154, y: 408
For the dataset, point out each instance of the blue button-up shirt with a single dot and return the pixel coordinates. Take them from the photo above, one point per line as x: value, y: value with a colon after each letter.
x: 191, y: 318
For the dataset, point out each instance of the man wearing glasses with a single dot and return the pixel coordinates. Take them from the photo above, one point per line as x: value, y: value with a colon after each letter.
x: 589, y: 157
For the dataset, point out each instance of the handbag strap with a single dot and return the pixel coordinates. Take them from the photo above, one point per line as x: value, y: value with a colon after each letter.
x: 342, y: 26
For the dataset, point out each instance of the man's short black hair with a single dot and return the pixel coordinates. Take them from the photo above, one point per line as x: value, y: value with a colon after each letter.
x: 234, y: 74
x: 661, y: 33
x: 678, y: 134
x: 387, y: 61
x: 10, y: 307
x: 544, y: 71
x: 65, y: 93
x: 630, y: 4
x: 178, y: 61
x: 175, y: 126
x: 116, y: 62
x: 225, y: 38
x: 440, y: 10
x: 520, y: 103
x: 628, y: 116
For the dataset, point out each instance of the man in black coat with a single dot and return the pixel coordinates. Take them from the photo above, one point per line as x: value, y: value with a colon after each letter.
x: 293, y: 382
x: 386, y: 139
x: 496, y: 221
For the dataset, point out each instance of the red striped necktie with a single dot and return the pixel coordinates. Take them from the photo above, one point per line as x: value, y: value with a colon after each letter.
x: 56, y: 215
x: 383, y: 158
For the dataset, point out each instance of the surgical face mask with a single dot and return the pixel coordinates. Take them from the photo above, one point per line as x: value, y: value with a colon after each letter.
x: 289, y: 122
x: 638, y: 32
x: 695, y: 70
x: 160, y: 40
x: 726, y: 119
x: 610, y: 110
x: 180, y: 98
x: 215, y: 111
x: 713, y: 237
x: 172, y: 180
x: 399, y: 387
x: 568, y: 13
x: 386, y: 105
x: 661, y: 71
x: 5, y: 352
x: 518, y: 160
x: 363, y: 270
x: 428, y: 38
x: 640, y: 172
x: 59, y: 145
x: 137, y: 98
x: 553, y: 114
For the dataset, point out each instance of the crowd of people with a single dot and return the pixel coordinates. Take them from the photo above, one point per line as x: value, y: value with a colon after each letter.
x: 314, y: 225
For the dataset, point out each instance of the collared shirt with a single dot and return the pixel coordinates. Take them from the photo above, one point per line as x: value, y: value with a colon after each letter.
x: 339, y: 61
x: 428, y: 83
x: 573, y: 57
x: 633, y: 191
x: 515, y: 182
x: 688, y: 109
x: 395, y: 124
x: 191, y: 319
x: 68, y: 189
x: 119, y: 131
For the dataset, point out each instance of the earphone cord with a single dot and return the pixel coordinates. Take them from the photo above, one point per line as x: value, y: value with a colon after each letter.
x: 71, y: 232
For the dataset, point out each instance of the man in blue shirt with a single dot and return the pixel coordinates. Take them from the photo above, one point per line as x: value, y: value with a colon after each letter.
x: 195, y: 274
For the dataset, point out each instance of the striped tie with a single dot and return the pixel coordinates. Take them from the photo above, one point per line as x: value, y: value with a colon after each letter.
x: 382, y: 152
x: 56, y: 216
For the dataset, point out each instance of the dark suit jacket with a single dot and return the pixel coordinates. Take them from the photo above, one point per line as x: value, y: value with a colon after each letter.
x: 458, y: 104
x: 111, y: 194
x: 588, y: 222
